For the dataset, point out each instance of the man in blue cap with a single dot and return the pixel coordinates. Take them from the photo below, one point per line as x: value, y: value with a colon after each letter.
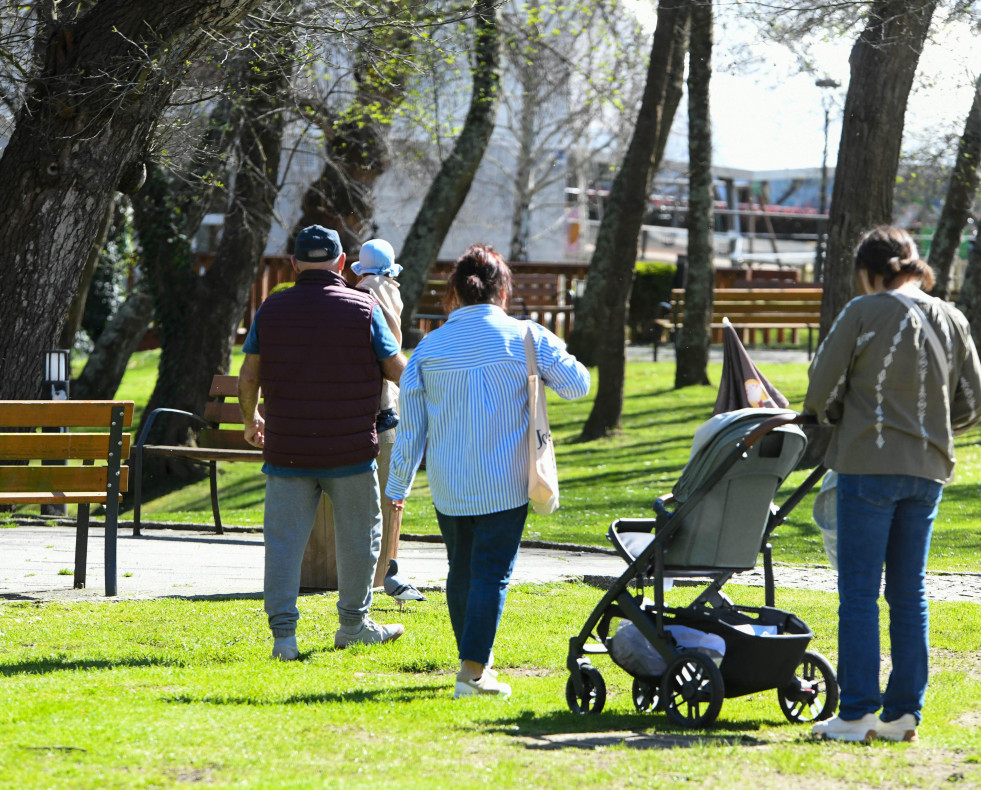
x: 319, y: 352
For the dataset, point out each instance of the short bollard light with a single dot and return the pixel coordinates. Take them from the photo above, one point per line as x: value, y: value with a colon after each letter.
x: 57, y: 374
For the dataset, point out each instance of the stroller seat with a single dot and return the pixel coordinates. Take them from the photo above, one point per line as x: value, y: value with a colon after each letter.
x: 716, y: 516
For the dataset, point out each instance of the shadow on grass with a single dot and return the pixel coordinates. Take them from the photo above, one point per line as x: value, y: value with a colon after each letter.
x: 399, y: 694
x: 564, y: 730
x: 47, y: 666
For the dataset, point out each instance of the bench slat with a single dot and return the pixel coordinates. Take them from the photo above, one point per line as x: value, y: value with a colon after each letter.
x: 224, y: 386
x: 228, y: 413
x: 58, y: 446
x: 57, y: 479
x: 49, y: 498
x: 203, y: 453
x: 57, y: 414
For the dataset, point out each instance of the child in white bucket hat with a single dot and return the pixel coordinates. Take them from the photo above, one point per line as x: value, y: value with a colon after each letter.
x: 377, y: 268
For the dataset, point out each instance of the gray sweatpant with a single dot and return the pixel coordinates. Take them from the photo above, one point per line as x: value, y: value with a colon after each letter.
x: 291, y: 507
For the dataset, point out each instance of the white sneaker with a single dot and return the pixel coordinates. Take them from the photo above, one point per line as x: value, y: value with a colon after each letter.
x: 284, y: 648
x: 371, y: 633
x: 901, y: 729
x: 838, y: 729
x: 485, y: 685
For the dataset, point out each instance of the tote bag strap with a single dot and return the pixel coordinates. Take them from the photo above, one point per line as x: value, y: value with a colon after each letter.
x: 530, y: 358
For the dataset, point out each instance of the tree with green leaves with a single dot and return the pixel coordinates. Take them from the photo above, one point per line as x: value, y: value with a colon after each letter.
x: 571, y: 71
x: 452, y: 183
x: 100, y: 75
x: 198, y: 313
x: 599, y: 332
x: 351, y: 104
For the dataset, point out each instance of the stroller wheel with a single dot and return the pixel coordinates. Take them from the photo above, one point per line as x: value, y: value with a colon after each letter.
x: 813, y: 693
x: 692, y: 690
x: 594, y: 691
x: 645, y: 696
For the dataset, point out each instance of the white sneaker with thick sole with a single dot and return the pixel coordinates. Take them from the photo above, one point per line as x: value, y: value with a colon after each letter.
x: 371, y: 633
x: 284, y: 648
x: 837, y: 729
x: 901, y: 729
x: 486, y: 685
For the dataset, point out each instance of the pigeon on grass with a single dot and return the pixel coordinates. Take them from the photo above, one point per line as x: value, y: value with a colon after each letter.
x: 400, y: 588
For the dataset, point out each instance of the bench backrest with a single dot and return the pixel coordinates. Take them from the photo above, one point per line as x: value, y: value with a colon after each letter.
x: 223, y: 412
x: 758, y: 305
x: 97, y: 436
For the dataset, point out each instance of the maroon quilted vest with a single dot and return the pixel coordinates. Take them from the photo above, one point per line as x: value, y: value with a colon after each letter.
x: 320, y: 379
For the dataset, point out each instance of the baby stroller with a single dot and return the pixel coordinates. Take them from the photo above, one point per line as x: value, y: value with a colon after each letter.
x: 713, y: 525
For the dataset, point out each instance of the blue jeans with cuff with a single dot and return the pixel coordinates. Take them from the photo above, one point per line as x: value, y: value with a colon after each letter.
x: 883, y: 520
x: 481, y: 551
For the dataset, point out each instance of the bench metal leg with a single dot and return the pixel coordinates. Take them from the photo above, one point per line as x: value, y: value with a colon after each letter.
x: 213, y: 470
x: 81, y: 546
x: 137, y: 456
x: 113, y: 473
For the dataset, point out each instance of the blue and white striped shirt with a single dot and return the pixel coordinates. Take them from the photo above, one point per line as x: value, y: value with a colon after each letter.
x: 465, y: 390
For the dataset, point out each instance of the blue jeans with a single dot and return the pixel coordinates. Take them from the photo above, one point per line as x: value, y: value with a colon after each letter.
x: 481, y: 551
x: 883, y: 520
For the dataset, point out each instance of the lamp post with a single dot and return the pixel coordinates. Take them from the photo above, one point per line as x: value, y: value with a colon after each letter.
x: 57, y: 375
x: 822, y: 235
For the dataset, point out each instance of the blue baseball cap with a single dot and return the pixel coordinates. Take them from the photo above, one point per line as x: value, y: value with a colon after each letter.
x: 377, y: 257
x: 316, y: 244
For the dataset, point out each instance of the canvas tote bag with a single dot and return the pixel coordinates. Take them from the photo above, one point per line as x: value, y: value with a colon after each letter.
x: 543, y: 476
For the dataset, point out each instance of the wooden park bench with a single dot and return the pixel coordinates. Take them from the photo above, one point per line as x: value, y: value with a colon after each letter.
x: 771, y: 311
x: 221, y: 438
x: 42, y: 468
x: 540, y: 296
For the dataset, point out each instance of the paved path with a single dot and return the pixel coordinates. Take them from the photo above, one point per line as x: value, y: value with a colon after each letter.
x: 188, y: 563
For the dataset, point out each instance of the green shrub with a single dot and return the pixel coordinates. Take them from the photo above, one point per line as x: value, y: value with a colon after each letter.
x: 652, y: 285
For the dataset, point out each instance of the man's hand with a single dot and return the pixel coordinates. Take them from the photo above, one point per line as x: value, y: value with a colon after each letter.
x: 255, y: 433
x: 248, y: 401
x: 398, y: 505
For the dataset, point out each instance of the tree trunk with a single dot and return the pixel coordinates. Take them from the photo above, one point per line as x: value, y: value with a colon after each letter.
x: 356, y: 147
x: 73, y: 321
x: 452, y: 184
x: 611, y: 269
x: 106, y: 78
x: 599, y: 331
x: 970, y: 298
x: 961, y: 190
x: 103, y: 372
x: 883, y: 63
x: 524, y: 175
x: 206, y: 310
x: 693, y: 345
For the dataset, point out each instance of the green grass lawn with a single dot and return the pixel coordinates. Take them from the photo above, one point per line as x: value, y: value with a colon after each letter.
x: 181, y: 693
x: 609, y: 478
x: 176, y: 693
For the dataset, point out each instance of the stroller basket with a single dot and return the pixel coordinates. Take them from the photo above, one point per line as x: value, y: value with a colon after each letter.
x: 753, y: 661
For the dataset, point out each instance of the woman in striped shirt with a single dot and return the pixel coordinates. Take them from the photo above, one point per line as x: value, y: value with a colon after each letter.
x: 464, y: 401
